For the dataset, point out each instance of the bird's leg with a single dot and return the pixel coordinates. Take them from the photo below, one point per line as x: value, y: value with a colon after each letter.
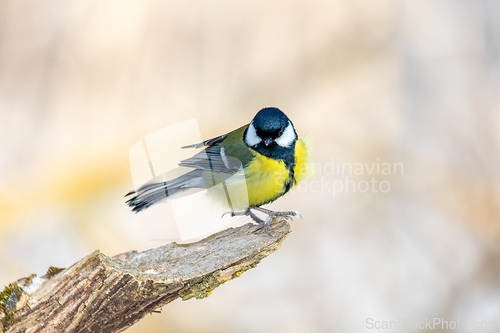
x: 248, y: 212
x: 275, y: 213
x: 260, y: 221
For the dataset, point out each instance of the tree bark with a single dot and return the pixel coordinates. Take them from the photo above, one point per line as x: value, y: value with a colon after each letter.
x: 109, y: 294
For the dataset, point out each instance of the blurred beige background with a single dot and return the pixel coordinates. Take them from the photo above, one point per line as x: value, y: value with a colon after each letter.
x: 413, y: 83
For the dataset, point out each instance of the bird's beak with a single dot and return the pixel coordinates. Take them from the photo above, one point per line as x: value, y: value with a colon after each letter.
x: 267, y: 141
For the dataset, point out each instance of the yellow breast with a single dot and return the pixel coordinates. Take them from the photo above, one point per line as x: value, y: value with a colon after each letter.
x: 266, y: 177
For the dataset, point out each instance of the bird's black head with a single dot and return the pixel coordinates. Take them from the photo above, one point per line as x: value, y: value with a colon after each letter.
x: 271, y: 133
x: 269, y: 122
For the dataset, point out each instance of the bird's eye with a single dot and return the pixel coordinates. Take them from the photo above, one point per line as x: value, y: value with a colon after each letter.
x: 280, y: 133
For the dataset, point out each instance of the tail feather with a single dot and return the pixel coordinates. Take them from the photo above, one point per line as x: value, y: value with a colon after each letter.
x: 154, y: 192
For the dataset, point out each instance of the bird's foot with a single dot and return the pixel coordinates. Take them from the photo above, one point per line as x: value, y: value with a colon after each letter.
x: 270, y: 215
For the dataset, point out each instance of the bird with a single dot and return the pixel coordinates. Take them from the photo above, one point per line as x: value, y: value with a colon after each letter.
x: 267, y: 152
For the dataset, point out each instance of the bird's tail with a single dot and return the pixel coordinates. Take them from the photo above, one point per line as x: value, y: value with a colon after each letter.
x: 154, y: 192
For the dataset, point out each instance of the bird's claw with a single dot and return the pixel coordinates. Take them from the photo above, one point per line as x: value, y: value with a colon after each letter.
x: 230, y: 213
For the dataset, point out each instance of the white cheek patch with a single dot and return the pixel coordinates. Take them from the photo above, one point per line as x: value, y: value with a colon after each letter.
x: 251, y: 137
x: 288, y: 137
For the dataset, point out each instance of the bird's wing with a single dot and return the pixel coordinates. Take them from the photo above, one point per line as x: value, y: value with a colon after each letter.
x: 222, y: 163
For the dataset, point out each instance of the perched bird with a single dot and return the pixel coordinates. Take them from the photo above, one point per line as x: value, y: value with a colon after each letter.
x: 273, y: 159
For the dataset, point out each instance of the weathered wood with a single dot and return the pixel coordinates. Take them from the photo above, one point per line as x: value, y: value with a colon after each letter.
x: 108, y: 294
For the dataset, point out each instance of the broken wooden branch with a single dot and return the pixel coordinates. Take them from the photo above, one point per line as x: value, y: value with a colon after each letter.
x: 108, y: 294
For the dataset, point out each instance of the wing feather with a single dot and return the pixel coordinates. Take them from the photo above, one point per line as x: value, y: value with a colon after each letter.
x: 214, y: 159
